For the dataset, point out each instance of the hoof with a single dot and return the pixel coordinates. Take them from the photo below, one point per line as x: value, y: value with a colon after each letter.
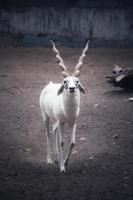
x: 56, y: 159
x: 66, y: 162
x: 56, y: 162
x: 49, y: 161
x: 62, y: 169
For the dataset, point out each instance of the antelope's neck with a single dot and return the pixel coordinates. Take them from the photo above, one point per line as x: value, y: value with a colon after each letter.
x: 71, y: 105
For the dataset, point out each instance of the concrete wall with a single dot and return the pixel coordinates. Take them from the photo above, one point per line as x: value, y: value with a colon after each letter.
x: 114, y: 24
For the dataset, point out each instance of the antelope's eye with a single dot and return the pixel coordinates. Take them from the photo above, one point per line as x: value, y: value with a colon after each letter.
x: 65, y: 82
x: 77, y: 81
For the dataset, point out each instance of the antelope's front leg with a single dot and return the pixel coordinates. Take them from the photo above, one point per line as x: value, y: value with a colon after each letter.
x: 61, y: 145
x: 72, y: 143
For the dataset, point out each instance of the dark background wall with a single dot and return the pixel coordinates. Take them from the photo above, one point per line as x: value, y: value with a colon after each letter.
x: 102, y: 21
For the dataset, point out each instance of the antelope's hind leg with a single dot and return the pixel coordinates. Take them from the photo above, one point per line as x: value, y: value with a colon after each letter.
x: 46, y: 122
x: 56, y: 149
x: 72, y: 143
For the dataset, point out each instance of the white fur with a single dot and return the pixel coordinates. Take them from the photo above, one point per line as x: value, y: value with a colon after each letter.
x: 61, y: 104
x: 63, y: 108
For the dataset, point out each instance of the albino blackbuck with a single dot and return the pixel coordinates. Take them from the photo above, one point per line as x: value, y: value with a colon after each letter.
x: 60, y: 104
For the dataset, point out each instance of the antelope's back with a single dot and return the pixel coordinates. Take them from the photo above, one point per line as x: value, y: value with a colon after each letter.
x: 49, y: 97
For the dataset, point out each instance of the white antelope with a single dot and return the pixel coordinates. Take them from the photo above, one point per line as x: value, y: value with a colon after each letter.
x: 60, y: 103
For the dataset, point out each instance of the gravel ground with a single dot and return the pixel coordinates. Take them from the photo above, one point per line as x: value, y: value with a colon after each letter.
x: 101, y: 165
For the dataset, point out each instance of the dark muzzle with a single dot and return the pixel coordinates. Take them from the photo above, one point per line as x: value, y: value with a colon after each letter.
x: 72, y: 89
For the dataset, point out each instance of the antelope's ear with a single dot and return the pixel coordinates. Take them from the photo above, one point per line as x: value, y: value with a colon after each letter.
x: 60, y: 90
x: 82, y: 89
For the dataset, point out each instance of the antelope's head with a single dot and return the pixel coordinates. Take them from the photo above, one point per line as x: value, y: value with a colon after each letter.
x: 71, y: 83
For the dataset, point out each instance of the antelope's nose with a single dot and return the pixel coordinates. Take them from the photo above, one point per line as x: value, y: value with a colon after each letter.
x: 72, y: 89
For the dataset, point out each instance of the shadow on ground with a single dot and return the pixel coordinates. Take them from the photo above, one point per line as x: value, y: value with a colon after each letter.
x: 119, y: 92
x: 104, y: 177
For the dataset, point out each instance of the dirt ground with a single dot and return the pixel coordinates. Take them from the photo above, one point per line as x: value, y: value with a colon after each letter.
x: 101, y: 165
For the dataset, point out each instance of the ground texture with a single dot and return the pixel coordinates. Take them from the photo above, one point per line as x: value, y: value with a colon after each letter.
x: 101, y: 165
